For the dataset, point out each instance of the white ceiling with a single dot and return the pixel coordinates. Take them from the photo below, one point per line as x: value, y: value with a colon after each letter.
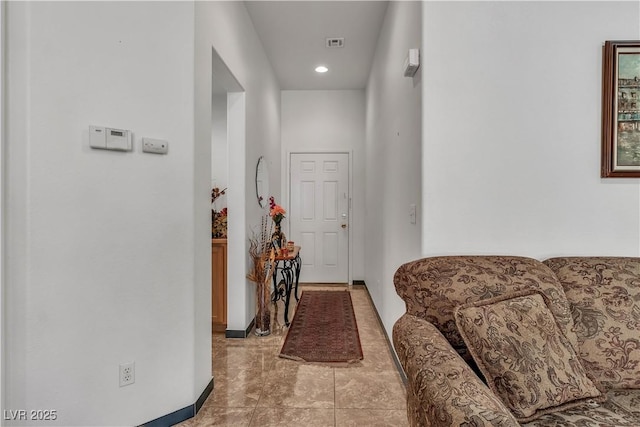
x: 293, y: 34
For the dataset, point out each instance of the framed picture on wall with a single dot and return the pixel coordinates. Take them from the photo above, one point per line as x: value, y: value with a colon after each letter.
x: 621, y: 110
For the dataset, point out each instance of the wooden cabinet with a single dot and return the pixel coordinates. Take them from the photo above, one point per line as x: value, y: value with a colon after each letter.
x: 219, y: 285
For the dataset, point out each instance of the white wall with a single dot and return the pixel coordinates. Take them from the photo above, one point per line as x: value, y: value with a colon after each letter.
x: 219, y: 146
x: 511, y: 121
x: 227, y: 28
x: 2, y: 196
x: 108, y: 253
x: 393, y: 173
x: 100, y: 244
x: 326, y: 120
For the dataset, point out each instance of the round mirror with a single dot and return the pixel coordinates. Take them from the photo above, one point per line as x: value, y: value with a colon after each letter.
x: 262, y: 182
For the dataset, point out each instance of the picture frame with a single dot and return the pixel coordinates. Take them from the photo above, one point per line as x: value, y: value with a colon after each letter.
x: 621, y: 110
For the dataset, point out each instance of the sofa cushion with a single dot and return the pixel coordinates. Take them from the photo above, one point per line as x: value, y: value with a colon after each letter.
x: 524, y: 356
x: 620, y: 410
x: 433, y: 287
x: 605, y: 303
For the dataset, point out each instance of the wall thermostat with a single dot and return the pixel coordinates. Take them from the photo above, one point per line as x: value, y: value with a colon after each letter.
x: 109, y: 138
x: 412, y: 63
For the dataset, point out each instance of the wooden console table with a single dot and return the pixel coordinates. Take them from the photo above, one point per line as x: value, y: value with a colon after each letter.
x: 218, y: 285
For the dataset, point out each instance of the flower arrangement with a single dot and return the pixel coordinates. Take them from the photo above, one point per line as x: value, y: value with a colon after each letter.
x: 218, y: 218
x: 276, y: 211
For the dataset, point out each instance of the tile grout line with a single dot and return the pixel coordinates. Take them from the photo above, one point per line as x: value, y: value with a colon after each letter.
x: 264, y: 385
x: 335, y: 403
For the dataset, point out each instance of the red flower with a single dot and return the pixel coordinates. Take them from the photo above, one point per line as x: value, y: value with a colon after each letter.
x: 276, y: 212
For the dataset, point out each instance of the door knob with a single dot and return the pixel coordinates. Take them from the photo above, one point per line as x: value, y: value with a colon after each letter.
x: 344, y: 226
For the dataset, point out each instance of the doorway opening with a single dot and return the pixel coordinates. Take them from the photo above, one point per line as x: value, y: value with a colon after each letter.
x: 227, y: 176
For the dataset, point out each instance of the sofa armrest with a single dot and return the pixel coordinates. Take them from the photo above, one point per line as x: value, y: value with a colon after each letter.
x: 442, y: 390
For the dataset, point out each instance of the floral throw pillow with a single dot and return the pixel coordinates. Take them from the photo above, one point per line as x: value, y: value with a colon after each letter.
x: 526, y: 359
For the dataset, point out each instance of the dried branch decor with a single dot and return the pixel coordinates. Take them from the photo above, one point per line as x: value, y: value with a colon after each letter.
x: 262, y: 258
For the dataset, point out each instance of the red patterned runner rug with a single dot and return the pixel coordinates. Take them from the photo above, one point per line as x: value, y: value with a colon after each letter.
x: 324, y: 329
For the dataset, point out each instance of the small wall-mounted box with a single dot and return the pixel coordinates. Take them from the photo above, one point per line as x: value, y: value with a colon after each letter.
x: 110, y: 139
x: 412, y: 63
x: 156, y: 146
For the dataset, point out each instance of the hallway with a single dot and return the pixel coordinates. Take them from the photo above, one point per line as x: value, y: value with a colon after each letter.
x: 254, y: 387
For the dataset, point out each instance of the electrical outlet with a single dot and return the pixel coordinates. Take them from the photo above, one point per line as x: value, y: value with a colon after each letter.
x: 127, y: 374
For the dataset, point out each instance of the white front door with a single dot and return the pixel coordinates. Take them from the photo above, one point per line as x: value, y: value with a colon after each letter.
x: 319, y: 215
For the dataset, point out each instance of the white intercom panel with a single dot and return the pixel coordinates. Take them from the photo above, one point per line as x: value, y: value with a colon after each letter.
x: 110, y: 139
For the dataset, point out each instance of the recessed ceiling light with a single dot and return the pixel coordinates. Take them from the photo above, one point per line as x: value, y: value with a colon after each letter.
x: 321, y: 69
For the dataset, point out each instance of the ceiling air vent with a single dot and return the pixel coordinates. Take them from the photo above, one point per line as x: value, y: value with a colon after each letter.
x: 335, y: 42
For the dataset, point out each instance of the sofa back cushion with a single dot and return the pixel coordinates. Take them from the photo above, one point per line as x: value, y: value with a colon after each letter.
x: 433, y: 287
x: 604, y: 295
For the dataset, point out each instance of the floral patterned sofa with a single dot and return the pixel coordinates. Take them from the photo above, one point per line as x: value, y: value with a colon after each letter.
x: 508, y: 341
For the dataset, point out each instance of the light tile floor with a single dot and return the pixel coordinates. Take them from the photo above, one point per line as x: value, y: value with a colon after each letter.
x: 254, y: 387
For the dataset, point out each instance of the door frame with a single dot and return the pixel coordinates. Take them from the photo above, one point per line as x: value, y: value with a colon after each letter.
x: 239, y: 298
x: 286, y: 198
